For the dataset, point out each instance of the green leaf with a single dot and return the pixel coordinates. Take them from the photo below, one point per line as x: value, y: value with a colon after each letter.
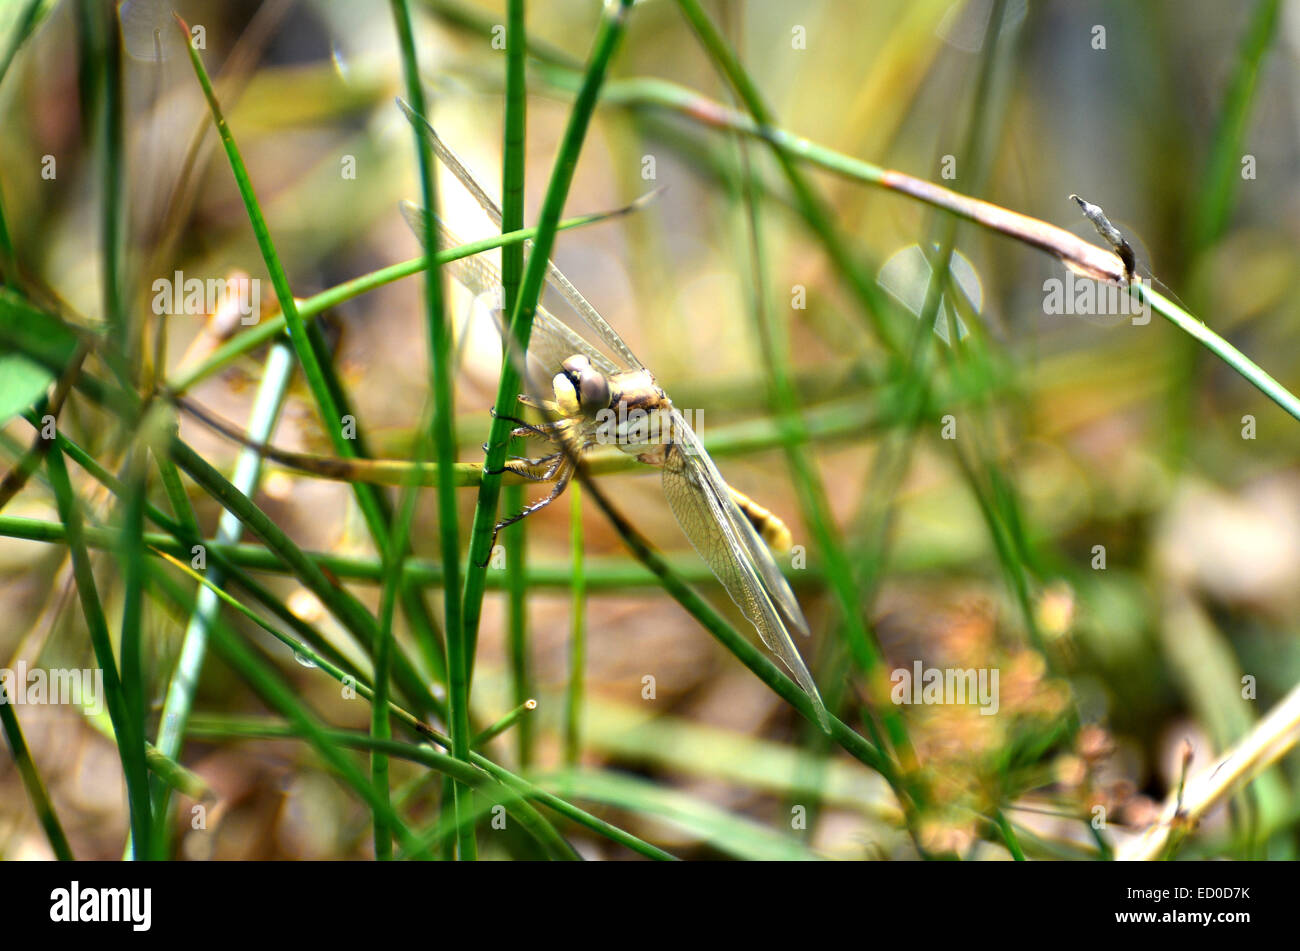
x: 34, y: 347
x: 21, y: 384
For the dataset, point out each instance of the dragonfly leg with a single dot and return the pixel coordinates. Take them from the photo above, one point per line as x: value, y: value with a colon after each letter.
x: 525, y: 428
x: 565, y: 473
x: 526, y: 467
x: 540, y: 430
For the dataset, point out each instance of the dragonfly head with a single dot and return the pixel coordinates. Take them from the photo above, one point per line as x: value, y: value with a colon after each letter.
x: 580, y: 388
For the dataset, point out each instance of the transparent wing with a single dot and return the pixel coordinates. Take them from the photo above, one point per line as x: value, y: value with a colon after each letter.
x: 718, y: 530
x: 554, y: 276
x: 552, y: 341
x: 759, y: 554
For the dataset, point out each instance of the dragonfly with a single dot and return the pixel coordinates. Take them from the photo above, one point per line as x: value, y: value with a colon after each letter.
x: 595, y: 399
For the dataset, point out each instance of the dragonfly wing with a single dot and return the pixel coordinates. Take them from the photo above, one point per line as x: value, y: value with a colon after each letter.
x: 711, y: 521
x: 551, y: 342
x: 759, y: 554
x: 554, y: 276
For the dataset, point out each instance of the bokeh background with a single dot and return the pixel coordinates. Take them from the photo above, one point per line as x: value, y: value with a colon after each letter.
x: 1179, y: 118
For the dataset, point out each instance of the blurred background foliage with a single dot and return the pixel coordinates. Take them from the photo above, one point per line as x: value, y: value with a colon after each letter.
x: 981, y: 552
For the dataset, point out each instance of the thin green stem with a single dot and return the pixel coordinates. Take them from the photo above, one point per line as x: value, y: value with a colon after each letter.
x: 724, y: 633
x: 312, y: 307
x: 331, y: 401
x: 521, y: 317
x: 1008, y: 835
x: 1222, y: 172
x: 1210, y: 208
x: 811, y: 206
x: 442, y: 434
x: 131, y: 754
x: 1078, y: 254
x: 322, y: 663
x: 605, y: 575
x: 186, y: 546
x: 513, y: 798
x: 518, y: 715
x: 31, y: 778
x: 814, y: 503
x: 350, y: 612
x: 130, y: 551
x: 380, y: 728
x: 513, y: 168
x: 266, y: 682
x: 1225, y: 351
x: 303, y: 651
x: 307, y: 343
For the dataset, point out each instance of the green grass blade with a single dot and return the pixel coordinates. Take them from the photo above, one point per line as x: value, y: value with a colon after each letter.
x: 181, y: 543
x: 472, y: 19
x: 312, y: 307
x: 329, y: 397
x: 758, y: 662
x: 1247, y: 368
x: 1222, y: 171
x: 512, y: 268
x: 521, y: 318
x: 516, y: 583
x: 307, y: 343
x: 464, y: 773
x: 811, y: 206
x: 343, y: 605
x: 175, y: 492
x: 516, y: 716
x: 741, y: 838
x: 813, y: 500
x: 392, y: 587
x: 31, y: 778
x: 266, y: 682
x: 1008, y: 835
x: 442, y: 433
x: 1211, y: 207
x: 605, y: 575
x: 304, y: 651
x: 131, y: 754
x: 130, y: 550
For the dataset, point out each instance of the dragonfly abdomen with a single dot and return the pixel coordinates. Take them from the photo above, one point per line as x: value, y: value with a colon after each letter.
x: 767, y: 523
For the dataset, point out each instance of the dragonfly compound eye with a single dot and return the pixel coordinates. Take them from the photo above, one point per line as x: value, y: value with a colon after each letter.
x: 593, y: 391
x: 589, y: 386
